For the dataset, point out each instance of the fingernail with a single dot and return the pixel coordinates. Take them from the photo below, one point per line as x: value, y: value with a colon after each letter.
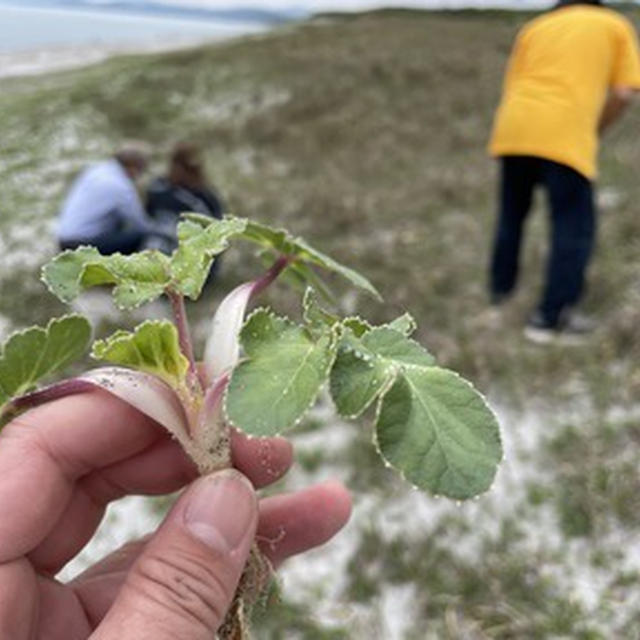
x: 221, y: 510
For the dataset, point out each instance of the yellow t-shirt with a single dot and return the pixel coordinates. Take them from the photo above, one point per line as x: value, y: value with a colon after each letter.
x: 561, y: 68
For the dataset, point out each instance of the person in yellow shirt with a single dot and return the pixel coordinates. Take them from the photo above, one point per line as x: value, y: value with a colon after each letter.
x: 571, y: 74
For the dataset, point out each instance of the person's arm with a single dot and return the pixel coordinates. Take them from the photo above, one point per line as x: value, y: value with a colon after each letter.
x: 132, y: 213
x: 616, y: 104
x: 625, y: 75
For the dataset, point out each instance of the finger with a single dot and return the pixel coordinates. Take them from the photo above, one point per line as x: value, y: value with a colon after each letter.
x: 18, y: 600
x: 289, y: 524
x: 183, y: 582
x: 162, y: 468
x: 262, y: 460
x: 297, y: 522
x: 46, y: 450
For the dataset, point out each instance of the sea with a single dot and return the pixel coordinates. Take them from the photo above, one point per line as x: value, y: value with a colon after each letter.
x: 39, y: 24
x: 29, y: 25
x: 37, y: 36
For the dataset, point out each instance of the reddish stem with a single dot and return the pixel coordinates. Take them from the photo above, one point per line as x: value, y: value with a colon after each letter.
x: 213, y: 399
x: 276, y: 269
x: 48, y: 394
x: 184, y: 337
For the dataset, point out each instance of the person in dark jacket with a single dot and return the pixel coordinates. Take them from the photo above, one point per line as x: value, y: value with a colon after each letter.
x: 184, y: 189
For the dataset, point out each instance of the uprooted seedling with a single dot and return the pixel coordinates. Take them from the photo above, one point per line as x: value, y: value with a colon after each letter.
x: 259, y: 374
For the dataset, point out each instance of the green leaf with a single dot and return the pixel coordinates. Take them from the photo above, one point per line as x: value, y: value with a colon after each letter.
x: 357, y: 325
x: 366, y: 366
x: 314, y: 315
x: 30, y: 355
x: 153, y: 348
x: 284, y: 371
x: 301, y: 276
x: 283, y: 242
x: 405, y: 324
x: 62, y: 274
x: 438, y: 431
x: 137, y: 278
x: 198, y: 247
x: 279, y: 240
x: 306, y: 252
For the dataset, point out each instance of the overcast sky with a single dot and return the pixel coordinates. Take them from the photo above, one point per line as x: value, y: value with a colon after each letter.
x: 353, y: 5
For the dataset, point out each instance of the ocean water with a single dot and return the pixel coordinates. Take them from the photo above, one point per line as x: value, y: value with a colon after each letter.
x: 27, y: 26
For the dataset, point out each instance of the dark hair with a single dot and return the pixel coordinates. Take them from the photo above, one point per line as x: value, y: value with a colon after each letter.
x: 132, y: 155
x: 186, y: 167
x: 187, y: 155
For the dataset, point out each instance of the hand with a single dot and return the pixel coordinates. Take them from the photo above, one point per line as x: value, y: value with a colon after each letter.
x: 61, y: 464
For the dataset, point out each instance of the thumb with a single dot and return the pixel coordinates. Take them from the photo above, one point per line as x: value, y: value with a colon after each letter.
x: 184, y: 581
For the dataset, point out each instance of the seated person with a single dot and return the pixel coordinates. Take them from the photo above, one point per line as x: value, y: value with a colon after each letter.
x: 103, y: 208
x: 183, y: 189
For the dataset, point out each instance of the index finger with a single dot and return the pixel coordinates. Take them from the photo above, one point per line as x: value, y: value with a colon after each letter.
x: 44, y: 451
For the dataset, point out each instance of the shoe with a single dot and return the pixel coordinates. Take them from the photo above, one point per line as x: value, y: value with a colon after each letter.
x: 573, y: 329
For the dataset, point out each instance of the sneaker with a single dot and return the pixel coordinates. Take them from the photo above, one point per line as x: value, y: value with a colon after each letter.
x: 573, y: 329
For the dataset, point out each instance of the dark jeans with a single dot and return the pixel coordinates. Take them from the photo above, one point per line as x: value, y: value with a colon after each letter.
x: 573, y: 227
x: 125, y: 242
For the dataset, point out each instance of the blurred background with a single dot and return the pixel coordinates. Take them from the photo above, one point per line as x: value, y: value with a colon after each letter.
x: 362, y: 127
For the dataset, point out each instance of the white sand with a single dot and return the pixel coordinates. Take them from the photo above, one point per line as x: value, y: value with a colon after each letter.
x: 56, y: 58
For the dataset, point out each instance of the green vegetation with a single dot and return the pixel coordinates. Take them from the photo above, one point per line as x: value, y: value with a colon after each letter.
x: 366, y: 136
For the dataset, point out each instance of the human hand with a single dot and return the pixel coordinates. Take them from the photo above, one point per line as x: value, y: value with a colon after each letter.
x: 62, y: 463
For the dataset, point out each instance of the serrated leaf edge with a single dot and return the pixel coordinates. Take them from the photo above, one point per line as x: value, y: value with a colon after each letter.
x: 54, y: 259
x: 42, y: 330
x: 400, y: 472
x: 334, y: 334
x: 413, y: 325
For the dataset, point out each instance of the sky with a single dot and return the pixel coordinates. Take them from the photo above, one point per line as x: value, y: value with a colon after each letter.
x: 353, y: 5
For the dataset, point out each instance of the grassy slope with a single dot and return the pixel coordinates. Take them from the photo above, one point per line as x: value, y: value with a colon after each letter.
x: 367, y: 137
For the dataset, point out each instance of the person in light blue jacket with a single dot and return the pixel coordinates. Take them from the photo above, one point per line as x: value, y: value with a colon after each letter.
x: 103, y: 208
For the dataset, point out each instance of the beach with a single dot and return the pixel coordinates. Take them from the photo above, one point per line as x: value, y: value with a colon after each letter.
x: 40, y: 60
x: 35, y: 40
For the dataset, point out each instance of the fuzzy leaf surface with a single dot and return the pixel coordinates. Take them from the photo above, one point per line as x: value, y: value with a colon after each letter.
x: 284, y: 371
x: 438, y: 431
x: 405, y: 324
x: 197, y: 249
x: 314, y: 315
x: 32, y: 354
x: 137, y: 279
x: 366, y: 366
x: 300, y: 275
x: 310, y: 254
x: 153, y: 348
x: 283, y: 242
x: 357, y: 325
x: 62, y: 274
